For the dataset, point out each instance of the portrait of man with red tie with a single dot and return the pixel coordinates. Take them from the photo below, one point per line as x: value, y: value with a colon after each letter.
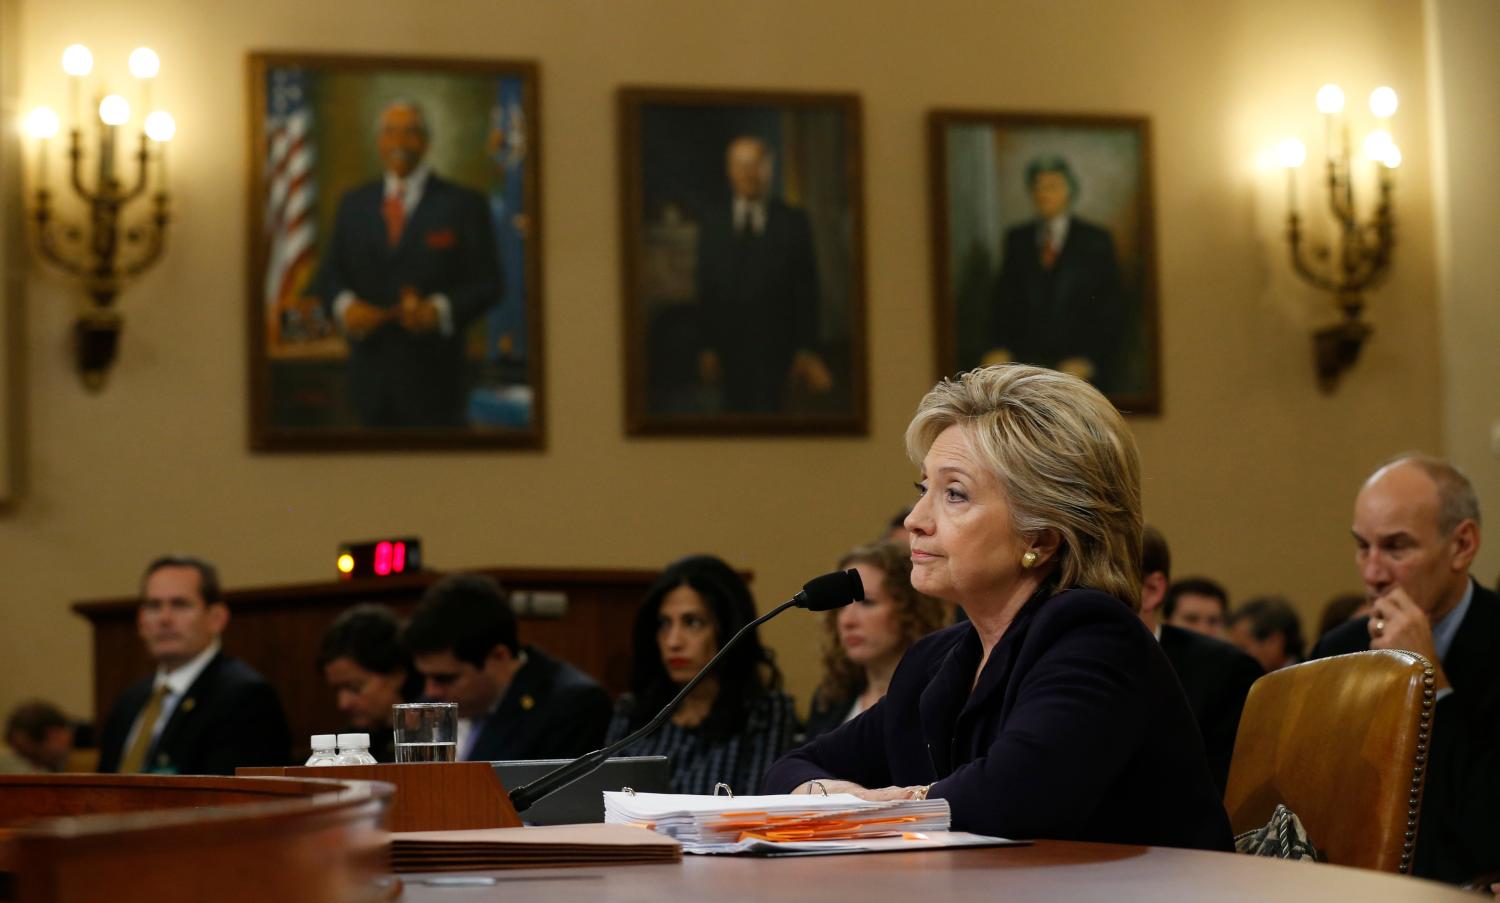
x: 395, y: 250
x: 411, y: 263
x: 1059, y: 295
x: 1046, y: 255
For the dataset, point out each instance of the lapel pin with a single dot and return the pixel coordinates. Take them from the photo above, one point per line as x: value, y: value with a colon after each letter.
x: 527, y: 703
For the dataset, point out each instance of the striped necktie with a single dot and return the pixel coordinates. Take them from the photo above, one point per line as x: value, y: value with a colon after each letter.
x: 135, y: 758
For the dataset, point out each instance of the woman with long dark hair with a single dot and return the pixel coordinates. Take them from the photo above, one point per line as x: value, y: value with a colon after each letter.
x: 737, y: 721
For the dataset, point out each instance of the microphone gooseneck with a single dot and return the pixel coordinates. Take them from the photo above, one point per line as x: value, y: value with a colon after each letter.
x: 823, y: 593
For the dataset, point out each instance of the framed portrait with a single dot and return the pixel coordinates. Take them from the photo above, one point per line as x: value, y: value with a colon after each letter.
x: 1044, y: 248
x: 744, y: 265
x: 394, y: 248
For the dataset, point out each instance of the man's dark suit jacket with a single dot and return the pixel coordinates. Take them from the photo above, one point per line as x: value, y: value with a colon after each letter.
x: 550, y: 711
x: 396, y: 378
x: 1075, y: 309
x: 1076, y: 730
x: 758, y: 302
x: 1216, y: 677
x: 1458, y: 838
x: 229, y: 717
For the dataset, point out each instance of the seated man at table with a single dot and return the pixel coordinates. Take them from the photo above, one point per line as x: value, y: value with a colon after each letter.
x: 1416, y: 533
x: 203, y: 712
x: 514, y: 701
x: 1215, y: 675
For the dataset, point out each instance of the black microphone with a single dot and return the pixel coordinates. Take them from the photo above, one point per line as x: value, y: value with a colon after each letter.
x: 823, y: 593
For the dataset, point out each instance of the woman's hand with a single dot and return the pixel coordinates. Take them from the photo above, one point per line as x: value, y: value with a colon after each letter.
x: 828, y: 785
x: 885, y: 794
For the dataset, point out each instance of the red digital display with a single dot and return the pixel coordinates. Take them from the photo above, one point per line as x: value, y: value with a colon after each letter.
x: 380, y: 558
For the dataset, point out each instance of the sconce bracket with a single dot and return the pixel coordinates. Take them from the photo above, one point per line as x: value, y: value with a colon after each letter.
x: 1336, y: 348
x: 96, y: 338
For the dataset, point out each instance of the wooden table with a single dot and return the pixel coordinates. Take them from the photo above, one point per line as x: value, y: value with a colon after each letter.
x: 1048, y: 870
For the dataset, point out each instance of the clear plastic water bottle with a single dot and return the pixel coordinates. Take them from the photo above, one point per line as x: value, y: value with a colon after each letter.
x: 354, y: 749
x: 324, y: 750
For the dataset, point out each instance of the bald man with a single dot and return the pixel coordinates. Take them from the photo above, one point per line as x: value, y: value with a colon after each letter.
x: 1416, y: 532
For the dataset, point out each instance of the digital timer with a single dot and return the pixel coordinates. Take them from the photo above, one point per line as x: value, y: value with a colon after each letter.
x: 379, y: 558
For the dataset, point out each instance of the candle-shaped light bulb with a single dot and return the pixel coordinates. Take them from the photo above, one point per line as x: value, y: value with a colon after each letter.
x: 1291, y: 153
x: 1330, y: 99
x: 1392, y: 157
x: 1383, y: 102
x: 42, y: 123
x: 160, y: 126
x: 114, y: 110
x: 144, y: 63
x: 1378, y: 145
x: 77, y: 61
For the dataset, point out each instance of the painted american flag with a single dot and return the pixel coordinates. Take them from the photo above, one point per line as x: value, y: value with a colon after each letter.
x: 290, y: 189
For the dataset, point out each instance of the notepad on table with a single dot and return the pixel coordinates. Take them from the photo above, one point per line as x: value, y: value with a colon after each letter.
x: 554, y: 846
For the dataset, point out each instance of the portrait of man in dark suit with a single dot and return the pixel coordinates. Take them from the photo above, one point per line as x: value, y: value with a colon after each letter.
x: 411, y: 263
x: 757, y: 290
x: 1058, y: 301
x: 743, y: 281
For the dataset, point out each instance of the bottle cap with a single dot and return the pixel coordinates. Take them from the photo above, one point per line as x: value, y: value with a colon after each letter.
x: 323, y: 741
x: 354, y: 740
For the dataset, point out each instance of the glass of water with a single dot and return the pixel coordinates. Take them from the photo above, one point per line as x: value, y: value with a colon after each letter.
x: 426, y: 731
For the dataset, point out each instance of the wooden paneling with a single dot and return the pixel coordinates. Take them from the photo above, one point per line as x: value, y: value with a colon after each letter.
x: 430, y: 796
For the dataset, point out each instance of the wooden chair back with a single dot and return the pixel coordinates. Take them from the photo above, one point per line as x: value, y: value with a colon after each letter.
x: 1343, y: 743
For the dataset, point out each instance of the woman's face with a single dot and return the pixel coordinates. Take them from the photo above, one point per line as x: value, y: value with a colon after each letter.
x: 686, y: 633
x: 963, y: 547
x: 364, y: 697
x: 868, y: 630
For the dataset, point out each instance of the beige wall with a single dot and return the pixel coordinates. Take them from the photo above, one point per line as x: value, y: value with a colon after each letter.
x: 1462, y: 37
x: 1250, y: 471
x: 12, y: 261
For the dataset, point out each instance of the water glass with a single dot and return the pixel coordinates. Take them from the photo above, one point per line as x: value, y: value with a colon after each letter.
x: 426, y: 731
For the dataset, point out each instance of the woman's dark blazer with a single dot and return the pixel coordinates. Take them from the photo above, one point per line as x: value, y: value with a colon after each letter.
x: 1077, y: 730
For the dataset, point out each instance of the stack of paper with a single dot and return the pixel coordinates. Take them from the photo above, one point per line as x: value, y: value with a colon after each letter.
x: 721, y: 824
x: 558, y: 846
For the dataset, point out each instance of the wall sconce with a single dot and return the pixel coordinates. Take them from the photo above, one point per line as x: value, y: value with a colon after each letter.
x: 96, y: 254
x: 1363, y: 254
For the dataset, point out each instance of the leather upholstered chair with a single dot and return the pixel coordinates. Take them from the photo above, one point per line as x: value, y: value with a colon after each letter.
x: 1343, y: 743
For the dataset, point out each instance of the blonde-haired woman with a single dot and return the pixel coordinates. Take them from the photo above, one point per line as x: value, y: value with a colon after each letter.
x: 863, y: 641
x: 1051, y: 713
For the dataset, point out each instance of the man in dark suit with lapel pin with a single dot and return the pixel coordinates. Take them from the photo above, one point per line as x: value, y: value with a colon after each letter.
x: 1416, y: 532
x: 1215, y: 675
x: 757, y: 283
x: 203, y: 712
x: 1059, y: 299
x: 514, y: 701
x: 411, y: 263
